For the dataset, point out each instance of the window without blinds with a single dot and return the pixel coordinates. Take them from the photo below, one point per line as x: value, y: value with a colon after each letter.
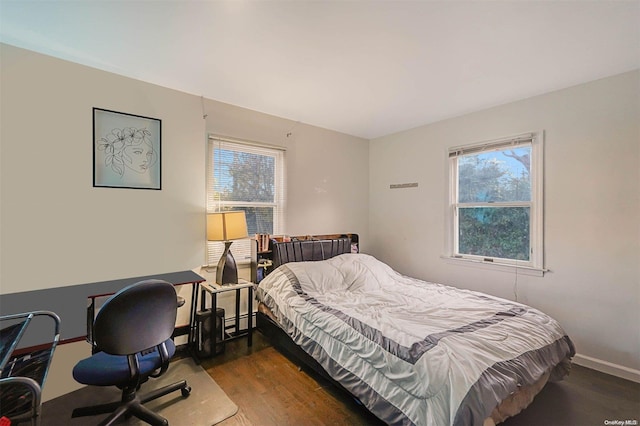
x: 496, y: 191
x: 247, y: 177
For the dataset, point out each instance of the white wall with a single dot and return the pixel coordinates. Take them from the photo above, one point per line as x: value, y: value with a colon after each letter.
x: 592, y: 206
x: 57, y: 229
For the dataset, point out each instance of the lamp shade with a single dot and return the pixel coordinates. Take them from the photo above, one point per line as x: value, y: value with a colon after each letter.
x: 226, y: 226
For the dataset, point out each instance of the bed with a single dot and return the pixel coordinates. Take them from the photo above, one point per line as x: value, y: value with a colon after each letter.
x: 412, y: 352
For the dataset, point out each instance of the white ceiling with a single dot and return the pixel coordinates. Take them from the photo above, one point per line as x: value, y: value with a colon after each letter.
x: 361, y: 67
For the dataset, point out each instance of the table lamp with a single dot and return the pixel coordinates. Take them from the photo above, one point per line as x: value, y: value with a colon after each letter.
x: 227, y: 226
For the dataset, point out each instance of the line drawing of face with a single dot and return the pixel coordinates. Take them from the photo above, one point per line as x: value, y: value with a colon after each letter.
x: 138, y: 157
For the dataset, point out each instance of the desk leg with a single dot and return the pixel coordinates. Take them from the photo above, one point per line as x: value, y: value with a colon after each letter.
x: 91, y: 316
x: 192, y: 320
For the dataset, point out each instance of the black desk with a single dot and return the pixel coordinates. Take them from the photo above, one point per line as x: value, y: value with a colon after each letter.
x: 70, y: 303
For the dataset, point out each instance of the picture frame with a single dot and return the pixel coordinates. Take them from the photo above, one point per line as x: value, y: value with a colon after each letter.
x: 126, y: 150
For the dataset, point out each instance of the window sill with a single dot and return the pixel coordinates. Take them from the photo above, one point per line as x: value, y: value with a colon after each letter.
x: 496, y: 266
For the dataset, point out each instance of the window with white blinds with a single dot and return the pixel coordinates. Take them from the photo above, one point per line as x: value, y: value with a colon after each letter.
x: 245, y: 176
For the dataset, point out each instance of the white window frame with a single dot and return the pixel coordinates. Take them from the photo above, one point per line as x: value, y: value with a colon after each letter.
x: 241, y: 249
x: 535, y: 264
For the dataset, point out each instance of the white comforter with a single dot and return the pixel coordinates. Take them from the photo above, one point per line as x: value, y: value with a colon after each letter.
x: 413, y: 352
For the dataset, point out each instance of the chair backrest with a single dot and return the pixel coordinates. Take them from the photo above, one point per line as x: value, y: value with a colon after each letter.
x: 136, y: 318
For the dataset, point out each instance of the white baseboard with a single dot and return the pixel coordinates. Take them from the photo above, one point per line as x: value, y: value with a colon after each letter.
x: 607, y: 367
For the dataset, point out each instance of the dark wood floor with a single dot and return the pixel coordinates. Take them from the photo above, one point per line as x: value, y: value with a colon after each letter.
x: 271, y: 390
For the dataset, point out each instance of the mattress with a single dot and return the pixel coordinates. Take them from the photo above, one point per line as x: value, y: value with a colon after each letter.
x: 415, y: 352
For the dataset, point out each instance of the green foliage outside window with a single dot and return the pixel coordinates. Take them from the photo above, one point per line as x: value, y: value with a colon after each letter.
x: 495, y: 232
x: 494, y: 192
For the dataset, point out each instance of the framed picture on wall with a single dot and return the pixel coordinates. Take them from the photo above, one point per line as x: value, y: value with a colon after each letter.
x: 126, y: 150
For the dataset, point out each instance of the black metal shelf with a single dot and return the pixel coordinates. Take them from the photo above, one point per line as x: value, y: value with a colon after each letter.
x: 23, y: 372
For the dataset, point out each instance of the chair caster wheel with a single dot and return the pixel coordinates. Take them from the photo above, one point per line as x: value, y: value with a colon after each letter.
x: 186, y: 391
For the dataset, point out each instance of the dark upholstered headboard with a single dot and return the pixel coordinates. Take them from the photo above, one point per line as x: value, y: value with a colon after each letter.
x: 309, y: 250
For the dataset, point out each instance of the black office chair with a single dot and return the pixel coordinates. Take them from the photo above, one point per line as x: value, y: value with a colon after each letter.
x: 132, y: 337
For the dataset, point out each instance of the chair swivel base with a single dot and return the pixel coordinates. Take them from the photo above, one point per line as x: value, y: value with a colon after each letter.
x: 131, y: 404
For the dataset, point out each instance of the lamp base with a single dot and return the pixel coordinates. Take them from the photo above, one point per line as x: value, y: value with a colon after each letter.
x: 227, y: 271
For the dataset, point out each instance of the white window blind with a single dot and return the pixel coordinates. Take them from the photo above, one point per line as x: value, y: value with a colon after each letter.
x: 250, y: 177
x: 496, y: 145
